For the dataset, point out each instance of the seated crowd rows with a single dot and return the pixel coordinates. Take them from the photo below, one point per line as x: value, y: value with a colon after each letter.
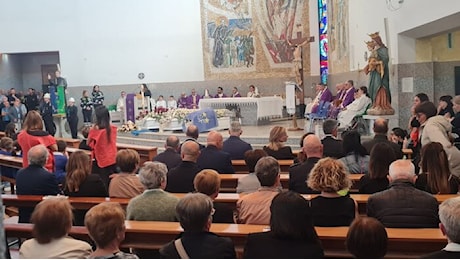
x: 290, y: 235
x: 401, y: 190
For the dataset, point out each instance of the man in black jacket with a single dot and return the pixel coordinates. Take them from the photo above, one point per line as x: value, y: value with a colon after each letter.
x: 212, y: 157
x: 381, y: 132
x: 31, y: 100
x: 170, y: 156
x: 402, y: 205
x: 449, y: 213
x: 180, y: 179
x: 332, y: 147
x: 298, y: 174
x: 35, y: 179
x: 234, y: 145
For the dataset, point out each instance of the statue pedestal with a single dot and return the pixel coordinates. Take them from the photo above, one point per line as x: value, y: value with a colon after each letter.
x: 371, y: 120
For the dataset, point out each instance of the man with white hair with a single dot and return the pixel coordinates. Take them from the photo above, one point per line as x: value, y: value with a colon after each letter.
x: 234, y: 145
x: 449, y: 214
x: 402, y: 205
x: 35, y: 179
x: 154, y: 204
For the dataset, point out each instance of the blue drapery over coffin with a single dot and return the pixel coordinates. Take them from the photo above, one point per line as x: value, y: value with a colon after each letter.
x: 204, y: 119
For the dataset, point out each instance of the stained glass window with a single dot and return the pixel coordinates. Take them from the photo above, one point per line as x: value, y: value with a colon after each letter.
x: 323, y: 47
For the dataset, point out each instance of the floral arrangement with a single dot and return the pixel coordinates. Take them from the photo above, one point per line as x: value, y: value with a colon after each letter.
x: 128, y: 127
x: 181, y: 114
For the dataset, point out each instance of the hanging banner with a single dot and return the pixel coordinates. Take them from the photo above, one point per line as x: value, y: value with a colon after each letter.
x: 290, y: 98
x: 130, y: 111
x: 60, y: 100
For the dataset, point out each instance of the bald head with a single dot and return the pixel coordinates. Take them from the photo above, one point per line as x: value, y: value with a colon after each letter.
x: 172, y: 142
x: 192, y: 131
x: 312, y: 146
x: 190, y: 151
x: 38, y: 155
x: 402, y: 170
x: 216, y: 139
x: 381, y: 126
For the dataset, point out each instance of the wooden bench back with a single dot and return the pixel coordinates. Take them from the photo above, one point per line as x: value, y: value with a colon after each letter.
x: 228, y: 198
x: 402, y: 243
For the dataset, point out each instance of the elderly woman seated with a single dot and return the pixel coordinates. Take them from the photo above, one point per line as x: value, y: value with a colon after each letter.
x: 207, y: 182
x: 333, y: 207
x: 106, y: 226
x: 194, y: 212
x: 52, y: 219
x: 126, y: 184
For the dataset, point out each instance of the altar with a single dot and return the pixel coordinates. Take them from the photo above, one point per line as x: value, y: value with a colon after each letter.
x: 251, y: 111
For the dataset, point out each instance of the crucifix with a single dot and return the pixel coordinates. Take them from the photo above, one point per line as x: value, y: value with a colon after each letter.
x: 297, y: 45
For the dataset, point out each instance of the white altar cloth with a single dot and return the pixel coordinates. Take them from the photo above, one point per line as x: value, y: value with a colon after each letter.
x: 266, y: 106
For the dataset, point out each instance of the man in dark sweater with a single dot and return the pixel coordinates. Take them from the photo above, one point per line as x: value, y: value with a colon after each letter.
x: 298, y: 175
x: 332, y: 147
x: 180, y: 179
x: 402, y: 205
x: 35, y: 179
x: 234, y: 145
x: 449, y: 214
x: 170, y: 156
x: 381, y: 132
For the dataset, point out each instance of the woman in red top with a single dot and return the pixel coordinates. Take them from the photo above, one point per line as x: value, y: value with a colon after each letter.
x: 102, y: 139
x: 32, y: 134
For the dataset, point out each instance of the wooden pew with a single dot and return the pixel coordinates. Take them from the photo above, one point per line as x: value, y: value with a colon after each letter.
x: 146, y: 153
x: 240, y: 165
x: 229, y: 182
x: 229, y: 198
x: 74, y: 143
x: 408, y: 153
x: 11, y: 161
x: 402, y: 243
x: 71, y: 150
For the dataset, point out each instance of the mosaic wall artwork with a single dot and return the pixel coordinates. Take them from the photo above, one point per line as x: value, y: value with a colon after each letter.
x: 339, y: 56
x: 253, y: 39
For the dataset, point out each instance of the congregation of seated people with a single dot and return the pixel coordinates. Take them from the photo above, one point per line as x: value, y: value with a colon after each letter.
x: 401, y: 190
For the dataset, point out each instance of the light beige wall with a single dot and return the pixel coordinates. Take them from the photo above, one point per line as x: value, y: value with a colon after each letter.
x: 436, y: 48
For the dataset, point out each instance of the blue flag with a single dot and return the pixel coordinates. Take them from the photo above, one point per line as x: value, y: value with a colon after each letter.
x: 204, y: 119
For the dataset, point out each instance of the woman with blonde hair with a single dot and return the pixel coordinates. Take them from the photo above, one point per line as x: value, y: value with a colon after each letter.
x: 79, y: 182
x: 276, y: 148
x: 32, y: 134
x: 52, y: 220
x: 333, y: 207
x: 436, y: 177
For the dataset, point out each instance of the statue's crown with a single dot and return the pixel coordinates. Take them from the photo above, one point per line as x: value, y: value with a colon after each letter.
x: 369, y: 42
x: 374, y: 35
